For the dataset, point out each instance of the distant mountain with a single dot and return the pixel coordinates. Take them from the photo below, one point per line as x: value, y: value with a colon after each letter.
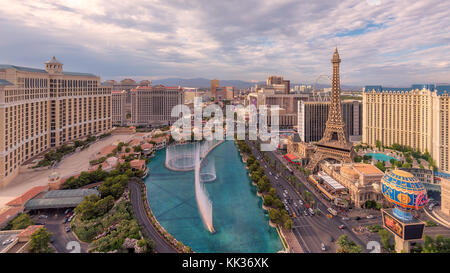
x: 206, y: 83
x: 201, y: 82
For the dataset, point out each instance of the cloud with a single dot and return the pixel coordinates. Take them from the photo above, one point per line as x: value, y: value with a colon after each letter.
x: 385, y: 42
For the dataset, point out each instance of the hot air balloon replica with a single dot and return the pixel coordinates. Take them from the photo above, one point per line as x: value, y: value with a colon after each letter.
x: 406, y: 193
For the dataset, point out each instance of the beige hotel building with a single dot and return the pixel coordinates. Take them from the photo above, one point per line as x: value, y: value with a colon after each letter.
x: 44, y: 108
x: 417, y: 117
x: 152, y: 105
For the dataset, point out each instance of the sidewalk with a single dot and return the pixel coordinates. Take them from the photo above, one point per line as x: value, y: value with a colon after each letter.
x: 291, y: 240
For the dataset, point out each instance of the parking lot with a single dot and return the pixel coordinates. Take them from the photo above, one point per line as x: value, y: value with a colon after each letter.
x: 62, y: 236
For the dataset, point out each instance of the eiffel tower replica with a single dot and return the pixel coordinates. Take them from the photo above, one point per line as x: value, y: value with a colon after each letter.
x: 334, y: 143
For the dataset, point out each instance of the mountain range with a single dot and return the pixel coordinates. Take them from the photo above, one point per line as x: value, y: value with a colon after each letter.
x: 206, y: 83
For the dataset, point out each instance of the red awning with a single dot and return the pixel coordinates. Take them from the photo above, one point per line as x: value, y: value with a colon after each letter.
x: 292, y: 158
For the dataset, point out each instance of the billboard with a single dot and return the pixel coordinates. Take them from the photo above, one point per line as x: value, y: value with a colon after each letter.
x: 393, y: 225
x: 412, y: 230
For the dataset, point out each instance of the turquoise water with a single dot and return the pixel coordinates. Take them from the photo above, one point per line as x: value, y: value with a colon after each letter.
x: 240, y: 222
x: 381, y: 157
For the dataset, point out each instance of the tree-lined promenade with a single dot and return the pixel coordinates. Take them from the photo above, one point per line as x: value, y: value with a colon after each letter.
x: 277, y: 211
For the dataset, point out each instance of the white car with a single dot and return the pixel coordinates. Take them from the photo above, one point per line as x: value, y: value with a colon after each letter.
x: 322, y: 246
x: 369, y: 216
x: 300, y: 202
x: 7, y: 242
x: 345, y: 218
x: 295, y: 204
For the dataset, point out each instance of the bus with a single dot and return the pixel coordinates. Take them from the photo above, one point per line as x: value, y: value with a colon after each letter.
x: 332, y: 211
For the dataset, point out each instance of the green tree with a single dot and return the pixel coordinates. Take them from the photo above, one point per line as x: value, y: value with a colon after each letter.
x: 274, y: 215
x: 21, y: 221
x: 40, y: 241
x: 385, y: 237
x: 440, y: 244
x: 347, y: 246
x: 268, y: 200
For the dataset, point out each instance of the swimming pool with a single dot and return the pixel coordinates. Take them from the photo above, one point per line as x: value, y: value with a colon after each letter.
x: 381, y: 157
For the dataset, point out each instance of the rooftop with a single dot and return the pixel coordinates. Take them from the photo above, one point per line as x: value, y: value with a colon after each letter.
x: 439, y: 89
x: 367, y: 169
x: 330, y: 181
x: 21, y: 200
x: 60, y: 199
x: 37, y: 70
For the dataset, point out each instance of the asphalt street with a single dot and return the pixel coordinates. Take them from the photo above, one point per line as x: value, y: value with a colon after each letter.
x: 161, y: 245
x: 310, y: 231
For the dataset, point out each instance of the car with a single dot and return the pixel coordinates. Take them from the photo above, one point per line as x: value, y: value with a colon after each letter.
x: 67, y: 211
x: 331, y: 239
x: 8, y: 241
x: 311, y: 211
x: 300, y: 202
x: 322, y: 246
x: 52, y: 239
x: 67, y: 229
x: 341, y: 227
x: 270, y: 173
x: 295, y: 204
x: 306, y: 213
x: 345, y: 218
x: 357, y: 218
x: 43, y: 216
x: 284, y: 194
x: 370, y: 216
x: 65, y: 220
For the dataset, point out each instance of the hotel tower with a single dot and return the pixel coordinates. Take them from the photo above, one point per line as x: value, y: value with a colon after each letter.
x: 44, y: 108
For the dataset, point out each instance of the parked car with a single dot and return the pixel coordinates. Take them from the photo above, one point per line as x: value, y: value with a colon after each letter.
x: 43, y: 216
x: 331, y: 239
x: 370, y: 216
x: 67, y: 229
x: 345, y: 218
x: 322, y: 246
x: 357, y: 218
x: 341, y: 227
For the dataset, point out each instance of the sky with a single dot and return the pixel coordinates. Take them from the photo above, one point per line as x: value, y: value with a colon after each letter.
x: 392, y: 43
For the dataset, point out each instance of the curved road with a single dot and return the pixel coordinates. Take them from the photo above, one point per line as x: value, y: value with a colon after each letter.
x: 161, y: 245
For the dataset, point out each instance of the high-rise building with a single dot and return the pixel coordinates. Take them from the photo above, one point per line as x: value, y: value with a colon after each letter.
x: 214, y: 85
x: 152, y: 105
x: 288, y: 104
x: 280, y: 84
x: 417, y: 117
x: 44, y: 108
x: 313, y: 115
x: 118, y: 104
x: 445, y: 196
x: 127, y: 85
